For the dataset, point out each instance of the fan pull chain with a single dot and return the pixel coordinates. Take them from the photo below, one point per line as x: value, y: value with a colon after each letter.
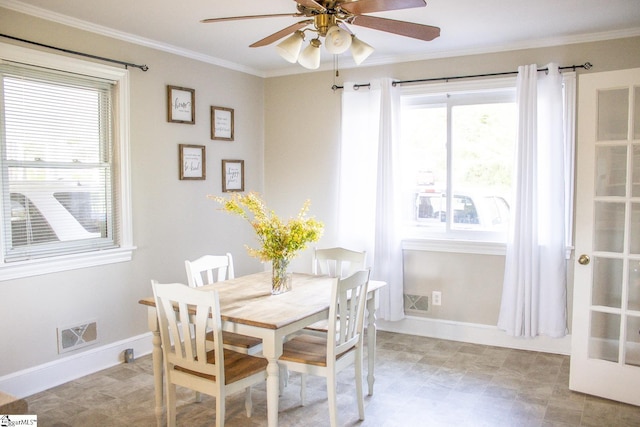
x: 336, y: 71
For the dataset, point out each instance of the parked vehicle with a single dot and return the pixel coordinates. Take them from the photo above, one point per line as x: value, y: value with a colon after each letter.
x: 45, y: 212
x: 469, y: 210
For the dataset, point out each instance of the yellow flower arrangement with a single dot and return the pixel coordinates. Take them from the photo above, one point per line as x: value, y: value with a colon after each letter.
x: 280, y: 241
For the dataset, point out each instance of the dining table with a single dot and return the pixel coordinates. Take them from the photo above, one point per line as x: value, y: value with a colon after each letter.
x: 248, y: 307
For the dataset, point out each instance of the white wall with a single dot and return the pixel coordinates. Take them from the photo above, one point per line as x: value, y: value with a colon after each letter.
x: 172, y: 219
x: 302, y: 127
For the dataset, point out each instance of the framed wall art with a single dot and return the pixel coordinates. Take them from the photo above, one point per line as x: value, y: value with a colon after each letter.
x: 193, y: 162
x: 181, y: 106
x: 232, y: 175
x: 222, y: 123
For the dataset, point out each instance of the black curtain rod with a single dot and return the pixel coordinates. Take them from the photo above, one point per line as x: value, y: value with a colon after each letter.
x: 126, y: 64
x: 586, y: 66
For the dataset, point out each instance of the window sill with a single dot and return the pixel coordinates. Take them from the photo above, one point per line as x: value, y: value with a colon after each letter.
x: 16, y: 270
x: 455, y: 246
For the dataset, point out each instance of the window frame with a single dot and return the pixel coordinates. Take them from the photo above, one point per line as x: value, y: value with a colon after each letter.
x: 452, y: 240
x: 121, y: 184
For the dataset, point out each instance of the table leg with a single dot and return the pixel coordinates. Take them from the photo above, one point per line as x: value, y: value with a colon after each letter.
x: 272, y: 350
x: 273, y: 392
x: 157, y: 362
x: 371, y: 340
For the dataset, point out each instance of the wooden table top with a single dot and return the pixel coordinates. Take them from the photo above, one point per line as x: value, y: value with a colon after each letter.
x: 248, y: 299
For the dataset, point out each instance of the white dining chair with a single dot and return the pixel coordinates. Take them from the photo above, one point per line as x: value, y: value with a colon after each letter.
x: 335, y: 262
x: 338, y: 262
x: 186, y: 317
x: 210, y: 269
x: 341, y: 347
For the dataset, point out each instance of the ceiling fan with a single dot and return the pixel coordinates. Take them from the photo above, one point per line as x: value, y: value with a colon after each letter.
x: 329, y: 19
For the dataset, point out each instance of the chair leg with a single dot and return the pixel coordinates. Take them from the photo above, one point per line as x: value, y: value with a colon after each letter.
x: 303, y: 389
x: 220, y: 406
x: 198, y: 398
x: 171, y: 405
x: 284, y: 375
x: 284, y: 378
x: 248, y: 403
x: 358, y: 366
x: 331, y: 396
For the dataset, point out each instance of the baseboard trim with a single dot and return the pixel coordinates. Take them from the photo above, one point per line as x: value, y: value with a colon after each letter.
x: 30, y: 381
x: 474, y: 333
x: 42, y: 377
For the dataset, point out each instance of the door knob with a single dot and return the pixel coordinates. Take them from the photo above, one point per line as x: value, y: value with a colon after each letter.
x: 584, y: 259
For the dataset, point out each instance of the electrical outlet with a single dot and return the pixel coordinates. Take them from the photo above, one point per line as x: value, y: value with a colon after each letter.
x: 436, y: 298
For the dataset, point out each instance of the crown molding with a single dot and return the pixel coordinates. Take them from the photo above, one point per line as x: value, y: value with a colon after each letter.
x: 121, y: 35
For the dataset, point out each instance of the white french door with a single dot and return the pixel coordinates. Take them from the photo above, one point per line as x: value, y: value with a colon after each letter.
x: 605, y: 353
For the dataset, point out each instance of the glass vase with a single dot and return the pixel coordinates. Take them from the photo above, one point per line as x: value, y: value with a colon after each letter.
x: 280, y: 279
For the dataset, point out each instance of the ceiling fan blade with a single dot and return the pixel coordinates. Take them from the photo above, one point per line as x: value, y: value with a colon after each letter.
x: 311, y: 4
x: 407, y: 29
x: 370, y: 6
x: 280, y: 34
x: 238, y: 18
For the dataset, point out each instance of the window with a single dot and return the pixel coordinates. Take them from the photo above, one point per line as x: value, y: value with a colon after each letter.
x: 63, y: 133
x: 457, y: 149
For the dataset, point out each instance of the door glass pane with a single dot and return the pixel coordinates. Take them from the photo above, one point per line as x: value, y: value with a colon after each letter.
x: 611, y: 170
x: 634, y: 229
x: 632, y: 350
x: 634, y: 285
x: 604, y: 339
x: 609, y: 227
x: 607, y: 282
x: 635, y: 188
x: 613, y: 114
x: 636, y: 115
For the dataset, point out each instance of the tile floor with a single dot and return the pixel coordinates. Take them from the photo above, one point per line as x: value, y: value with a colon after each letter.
x: 419, y: 382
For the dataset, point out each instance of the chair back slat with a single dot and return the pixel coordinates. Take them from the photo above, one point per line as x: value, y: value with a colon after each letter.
x: 185, y: 315
x: 346, y: 313
x: 338, y: 262
x: 209, y: 269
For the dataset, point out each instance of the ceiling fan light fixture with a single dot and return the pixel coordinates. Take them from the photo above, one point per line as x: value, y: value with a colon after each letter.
x: 360, y: 50
x: 337, y: 40
x: 329, y: 19
x: 310, y: 56
x: 290, y: 47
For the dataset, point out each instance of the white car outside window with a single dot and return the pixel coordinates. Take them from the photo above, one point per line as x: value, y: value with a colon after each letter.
x: 43, y: 213
x: 470, y: 211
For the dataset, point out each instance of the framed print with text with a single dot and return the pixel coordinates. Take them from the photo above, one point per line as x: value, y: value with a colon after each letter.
x: 222, y: 123
x: 232, y: 175
x: 181, y: 106
x: 193, y: 162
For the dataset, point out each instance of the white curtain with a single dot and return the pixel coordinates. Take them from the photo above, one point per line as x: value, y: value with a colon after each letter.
x: 534, y: 289
x: 368, y: 217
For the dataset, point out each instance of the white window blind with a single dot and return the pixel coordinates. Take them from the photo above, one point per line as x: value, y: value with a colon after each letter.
x: 57, y: 163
